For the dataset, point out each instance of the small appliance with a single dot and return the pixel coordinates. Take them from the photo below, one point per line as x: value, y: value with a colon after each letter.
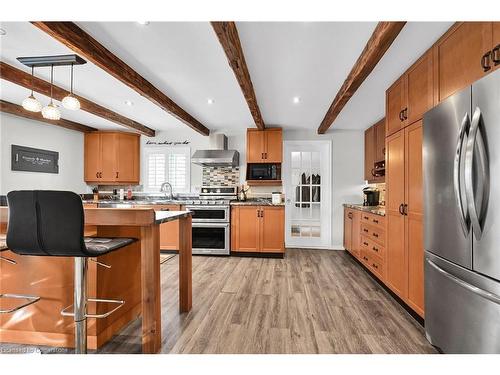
x: 276, y: 197
x: 264, y: 171
x: 371, y: 196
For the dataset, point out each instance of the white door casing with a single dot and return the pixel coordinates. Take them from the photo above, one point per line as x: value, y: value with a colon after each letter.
x: 307, y: 172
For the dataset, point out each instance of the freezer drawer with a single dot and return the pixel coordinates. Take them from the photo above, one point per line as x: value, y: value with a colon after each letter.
x: 462, y: 308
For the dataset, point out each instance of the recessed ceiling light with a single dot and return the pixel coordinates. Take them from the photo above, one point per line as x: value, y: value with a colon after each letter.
x: 210, y: 101
x: 129, y: 103
x: 2, y: 31
x: 143, y: 23
x: 296, y: 100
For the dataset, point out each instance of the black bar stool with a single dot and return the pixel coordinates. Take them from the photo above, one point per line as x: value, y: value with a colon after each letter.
x: 51, y: 223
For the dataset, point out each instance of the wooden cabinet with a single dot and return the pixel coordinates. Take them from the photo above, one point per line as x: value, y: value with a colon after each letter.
x: 462, y: 56
x: 411, y: 95
x: 265, y: 146
x: 374, y: 150
x: 396, y: 260
x: 272, y: 229
x: 414, y: 215
x: 169, y: 232
x: 258, y: 229
x: 348, y: 218
x: 112, y: 158
x: 404, y: 220
x: 395, y: 104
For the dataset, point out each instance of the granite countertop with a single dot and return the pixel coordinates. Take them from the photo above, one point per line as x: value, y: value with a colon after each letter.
x: 377, y: 210
x: 256, y: 202
x: 166, y: 216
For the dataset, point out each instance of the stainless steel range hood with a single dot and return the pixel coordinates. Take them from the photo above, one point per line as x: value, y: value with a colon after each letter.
x: 218, y: 155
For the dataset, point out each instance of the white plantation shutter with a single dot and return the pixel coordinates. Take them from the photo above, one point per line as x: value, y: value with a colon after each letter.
x: 167, y: 164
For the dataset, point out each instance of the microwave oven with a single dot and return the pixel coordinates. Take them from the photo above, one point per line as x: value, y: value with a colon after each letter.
x: 264, y: 171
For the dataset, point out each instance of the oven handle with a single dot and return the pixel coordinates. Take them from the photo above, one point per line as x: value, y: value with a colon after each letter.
x: 206, y: 207
x: 210, y: 225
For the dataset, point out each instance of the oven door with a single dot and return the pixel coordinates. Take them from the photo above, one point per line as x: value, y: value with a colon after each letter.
x: 209, y: 214
x: 211, y: 238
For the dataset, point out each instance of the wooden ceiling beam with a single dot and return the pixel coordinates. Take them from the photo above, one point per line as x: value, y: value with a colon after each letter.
x: 17, y: 110
x: 76, y: 39
x: 22, y: 78
x: 230, y: 41
x: 379, y: 42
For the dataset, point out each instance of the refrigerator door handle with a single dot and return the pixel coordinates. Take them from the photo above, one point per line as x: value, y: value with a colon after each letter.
x: 474, y: 289
x: 476, y: 137
x: 457, y: 169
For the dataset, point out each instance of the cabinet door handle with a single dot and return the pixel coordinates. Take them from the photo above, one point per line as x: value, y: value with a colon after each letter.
x: 485, y: 61
x: 261, y: 213
x: 265, y: 153
x: 165, y: 209
x: 117, y: 174
x: 401, y: 115
x: 262, y: 155
x: 401, y: 208
x: 495, y: 54
x: 97, y: 174
x: 405, y: 114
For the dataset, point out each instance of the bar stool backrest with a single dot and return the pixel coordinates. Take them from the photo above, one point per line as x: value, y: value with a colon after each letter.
x: 46, y: 223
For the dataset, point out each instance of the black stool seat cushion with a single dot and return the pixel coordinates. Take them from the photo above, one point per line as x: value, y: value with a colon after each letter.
x: 100, y: 246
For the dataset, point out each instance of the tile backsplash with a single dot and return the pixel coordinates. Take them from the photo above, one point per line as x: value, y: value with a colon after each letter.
x: 221, y: 176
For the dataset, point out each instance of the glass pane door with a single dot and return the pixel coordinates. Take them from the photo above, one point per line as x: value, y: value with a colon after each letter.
x: 306, y: 176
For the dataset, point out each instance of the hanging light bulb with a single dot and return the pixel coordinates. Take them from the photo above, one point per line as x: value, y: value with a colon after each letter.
x: 51, y: 112
x: 70, y: 101
x: 31, y: 103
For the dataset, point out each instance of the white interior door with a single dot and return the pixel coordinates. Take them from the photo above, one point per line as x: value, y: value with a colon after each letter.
x: 307, y: 179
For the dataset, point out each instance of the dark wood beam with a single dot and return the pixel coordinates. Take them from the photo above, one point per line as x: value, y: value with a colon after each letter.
x: 76, y: 39
x: 17, y: 110
x: 230, y: 41
x: 22, y: 78
x: 380, y: 41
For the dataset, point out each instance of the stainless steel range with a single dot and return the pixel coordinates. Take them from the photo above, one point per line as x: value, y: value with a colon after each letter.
x: 211, y: 220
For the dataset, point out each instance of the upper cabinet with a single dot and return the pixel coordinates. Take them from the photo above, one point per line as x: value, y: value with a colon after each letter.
x: 463, y: 55
x: 264, y: 146
x: 374, y: 151
x: 411, y: 95
x: 112, y: 158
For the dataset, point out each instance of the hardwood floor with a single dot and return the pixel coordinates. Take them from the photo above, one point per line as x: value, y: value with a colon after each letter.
x: 312, y: 301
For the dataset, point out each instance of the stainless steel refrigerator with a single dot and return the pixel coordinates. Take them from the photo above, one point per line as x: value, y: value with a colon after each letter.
x: 461, y: 156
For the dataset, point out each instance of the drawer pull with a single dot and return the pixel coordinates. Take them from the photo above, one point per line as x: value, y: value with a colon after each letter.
x: 375, y: 235
x: 375, y: 221
x: 374, y: 266
x: 375, y: 249
x: 365, y: 243
x: 365, y: 217
x: 365, y: 230
x: 365, y: 258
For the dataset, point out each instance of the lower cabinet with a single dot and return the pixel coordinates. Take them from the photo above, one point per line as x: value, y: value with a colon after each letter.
x: 352, y: 235
x: 258, y: 229
x: 169, y: 232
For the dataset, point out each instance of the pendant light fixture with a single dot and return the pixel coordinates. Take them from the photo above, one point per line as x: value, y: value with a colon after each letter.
x: 31, y: 103
x: 51, y: 112
x: 70, y: 101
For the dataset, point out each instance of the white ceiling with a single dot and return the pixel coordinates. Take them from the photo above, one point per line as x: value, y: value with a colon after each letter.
x: 185, y: 60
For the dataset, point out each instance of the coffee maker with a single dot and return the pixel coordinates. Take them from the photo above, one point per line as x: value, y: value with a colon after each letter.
x: 371, y: 196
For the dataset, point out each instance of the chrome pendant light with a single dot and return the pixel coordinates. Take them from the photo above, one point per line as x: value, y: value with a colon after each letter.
x: 51, y: 112
x: 70, y: 101
x: 31, y: 103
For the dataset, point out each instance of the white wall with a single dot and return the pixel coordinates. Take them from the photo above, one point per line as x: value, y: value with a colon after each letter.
x: 24, y: 132
x: 236, y: 141
x: 347, y: 170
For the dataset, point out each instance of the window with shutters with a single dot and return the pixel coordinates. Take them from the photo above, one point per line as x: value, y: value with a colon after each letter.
x: 167, y: 164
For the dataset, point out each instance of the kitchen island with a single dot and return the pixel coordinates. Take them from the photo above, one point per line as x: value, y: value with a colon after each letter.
x: 134, y: 277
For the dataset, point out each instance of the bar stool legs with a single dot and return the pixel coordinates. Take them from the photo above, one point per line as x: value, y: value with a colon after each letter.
x: 79, y: 306
x: 80, y: 303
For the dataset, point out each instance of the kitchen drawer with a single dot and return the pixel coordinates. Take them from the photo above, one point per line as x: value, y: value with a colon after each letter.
x: 372, y: 247
x: 372, y: 219
x: 373, y: 263
x: 374, y: 233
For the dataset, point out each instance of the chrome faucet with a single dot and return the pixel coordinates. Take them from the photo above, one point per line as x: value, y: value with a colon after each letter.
x: 163, y: 189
